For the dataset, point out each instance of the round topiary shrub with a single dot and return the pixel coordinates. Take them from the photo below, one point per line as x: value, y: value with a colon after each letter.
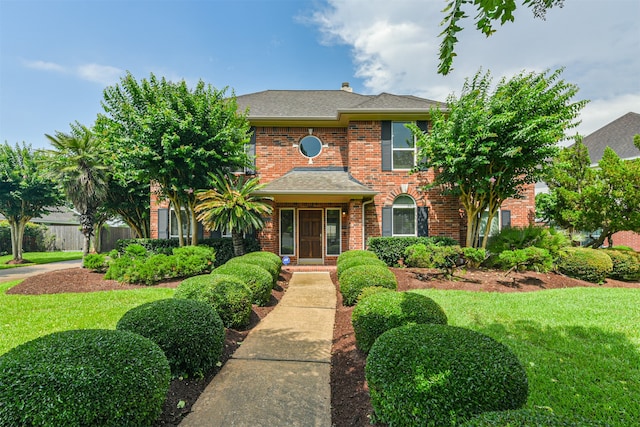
x: 387, y: 310
x: 229, y: 296
x: 256, y: 277
x: 83, y: 378
x: 267, y: 264
x: 355, y: 261
x: 439, y: 375
x: 355, y: 253
x: 526, y: 417
x: 363, y: 276
x: 190, y: 332
x: 266, y: 255
x: 592, y: 265
x: 371, y: 290
x: 626, y: 265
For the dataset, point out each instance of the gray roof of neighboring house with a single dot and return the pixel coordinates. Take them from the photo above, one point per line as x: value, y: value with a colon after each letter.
x: 328, y: 104
x: 324, y: 181
x: 618, y: 135
x: 59, y: 216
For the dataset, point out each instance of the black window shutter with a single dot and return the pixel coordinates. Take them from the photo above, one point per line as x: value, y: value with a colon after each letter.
x: 386, y: 145
x: 163, y: 223
x: 200, y: 231
x: 387, y: 221
x: 216, y: 234
x: 423, y: 221
x: 423, y: 125
x: 251, y: 152
x: 505, y: 218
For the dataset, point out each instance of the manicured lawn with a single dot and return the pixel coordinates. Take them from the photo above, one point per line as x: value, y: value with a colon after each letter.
x: 25, y: 317
x: 580, y: 346
x: 40, y: 258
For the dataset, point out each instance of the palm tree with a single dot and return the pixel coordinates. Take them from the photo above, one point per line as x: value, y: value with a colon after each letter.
x: 231, y: 204
x: 76, y: 161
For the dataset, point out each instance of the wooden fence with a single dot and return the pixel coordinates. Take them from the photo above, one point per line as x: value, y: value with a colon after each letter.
x: 69, y: 237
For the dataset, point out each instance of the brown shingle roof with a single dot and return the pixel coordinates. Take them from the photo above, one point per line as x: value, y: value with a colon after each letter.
x: 319, y: 181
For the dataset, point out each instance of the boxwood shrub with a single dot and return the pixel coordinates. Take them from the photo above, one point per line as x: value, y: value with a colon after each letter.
x: 592, y: 265
x: 257, y: 278
x: 439, y: 375
x: 85, y: 377
x: 363, y: 276
x: 357, y: 260
x: 229, y: 296
x: 626, y: 265
x: 371, y: 290
x: 527, y: 417
x: 266, y: 255
x: 391, y: 249
x: 267, y: 264
x: 355, y: 253
x: 387, y: 310
x: 189, y: 332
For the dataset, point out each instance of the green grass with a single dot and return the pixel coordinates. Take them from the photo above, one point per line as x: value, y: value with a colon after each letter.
x: 40, y: 258
x: 25, y: 317
x: 580, y: 346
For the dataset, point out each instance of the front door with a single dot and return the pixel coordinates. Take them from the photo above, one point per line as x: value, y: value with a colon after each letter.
x: 310, y: 234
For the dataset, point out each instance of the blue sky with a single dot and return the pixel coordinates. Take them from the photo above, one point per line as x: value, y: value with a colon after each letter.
x: 57, y: 56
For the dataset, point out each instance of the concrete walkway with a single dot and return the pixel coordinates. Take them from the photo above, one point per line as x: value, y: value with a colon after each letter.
x: 24, y: 272
x: 280, y: 374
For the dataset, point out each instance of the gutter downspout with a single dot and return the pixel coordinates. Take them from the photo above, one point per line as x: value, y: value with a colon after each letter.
x: 364, y: 223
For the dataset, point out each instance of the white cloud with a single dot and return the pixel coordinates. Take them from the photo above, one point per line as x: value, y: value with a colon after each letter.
x: 103, y: 74
x: 395, y: 49
x: 45, y: 66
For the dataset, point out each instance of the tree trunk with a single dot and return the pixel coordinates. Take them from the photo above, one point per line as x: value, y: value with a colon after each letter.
x: 194, y: 225
x: 17, y: 236
x: 177, y: 209
x: 86, y: 223
x: 238, y: 243
x: 605, y: 234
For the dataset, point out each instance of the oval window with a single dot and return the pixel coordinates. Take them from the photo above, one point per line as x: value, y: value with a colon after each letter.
x: 310, y: 146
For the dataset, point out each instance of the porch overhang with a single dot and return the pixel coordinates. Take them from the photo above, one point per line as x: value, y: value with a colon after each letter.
x: 316, y: 185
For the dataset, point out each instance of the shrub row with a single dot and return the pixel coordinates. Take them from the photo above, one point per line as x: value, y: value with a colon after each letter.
x: 391, y: 249
x: 358, y: 271
x: 223, y: 247
x: 83, y: 378
x: 137, y: 265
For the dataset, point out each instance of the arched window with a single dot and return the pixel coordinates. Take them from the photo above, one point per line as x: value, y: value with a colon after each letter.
x: 404, y: 216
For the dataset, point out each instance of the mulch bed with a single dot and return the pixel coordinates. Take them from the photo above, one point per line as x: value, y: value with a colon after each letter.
x: 349, y: 394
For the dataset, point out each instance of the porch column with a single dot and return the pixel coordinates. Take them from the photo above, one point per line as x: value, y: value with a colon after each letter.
x: 355, y: 224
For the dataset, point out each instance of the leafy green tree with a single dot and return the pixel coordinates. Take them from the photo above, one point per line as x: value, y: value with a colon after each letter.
x: 26, y: 191
x: 489, y: 12
x: 77, y: 161
x: 163, y: 132
x: 130, y: 201
x: 232, y: 204
x: 489, y: 145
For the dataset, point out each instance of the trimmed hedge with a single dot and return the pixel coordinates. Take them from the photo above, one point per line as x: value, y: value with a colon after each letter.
x: 267, y: 264
x: 439, y: 375
x: 391, y: 249
x: 592, y: 265
x: 354, y: 253
x: 626, y: 265
x: 266, y: 255
x: 189, y: 332
x: 372, y: 290
x: 387, y: 310
x: 526, y: 417
x: 363, y: 276
x: 355, y: 261
x: 257, y: 278
x: 83, y: 378
x: 229, y: 296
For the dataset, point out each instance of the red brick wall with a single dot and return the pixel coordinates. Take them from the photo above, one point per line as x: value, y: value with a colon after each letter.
x: 627, y: 238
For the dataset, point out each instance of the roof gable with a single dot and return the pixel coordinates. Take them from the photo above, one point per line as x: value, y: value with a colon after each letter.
x: 618, y: 135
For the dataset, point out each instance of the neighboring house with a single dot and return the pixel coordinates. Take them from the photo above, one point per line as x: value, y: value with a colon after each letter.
x: 336, y: 164
x: 619, y: 136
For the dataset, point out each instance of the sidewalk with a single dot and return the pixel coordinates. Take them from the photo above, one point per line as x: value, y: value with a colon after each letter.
x: 280, y: 375
x: 24, y: 272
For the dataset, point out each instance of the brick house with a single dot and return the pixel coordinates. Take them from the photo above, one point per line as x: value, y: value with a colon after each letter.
x: 336, y: 164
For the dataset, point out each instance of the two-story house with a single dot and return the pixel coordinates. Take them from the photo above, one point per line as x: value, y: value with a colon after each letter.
x: 336, y: 164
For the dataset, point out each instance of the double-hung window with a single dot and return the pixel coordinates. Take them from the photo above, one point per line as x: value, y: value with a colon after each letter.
x: 404, y: 216
x: 403, y: 146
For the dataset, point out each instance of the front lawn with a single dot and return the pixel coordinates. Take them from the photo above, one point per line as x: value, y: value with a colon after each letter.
x: 40, y: 258
x: 580, y: 346
x: 25, y: 317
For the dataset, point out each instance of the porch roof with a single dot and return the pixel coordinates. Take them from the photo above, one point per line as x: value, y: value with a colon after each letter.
x: 319, y: 184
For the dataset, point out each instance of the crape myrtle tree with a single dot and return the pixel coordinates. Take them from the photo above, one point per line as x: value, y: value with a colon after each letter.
x: 489, y: 12
x: 163, y: 132
x: 129, y: 200
x: 26, y: 191
x: 77, y: 162
x: 582, y: 198
x: 232, y: 204
x: 490, y: 144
